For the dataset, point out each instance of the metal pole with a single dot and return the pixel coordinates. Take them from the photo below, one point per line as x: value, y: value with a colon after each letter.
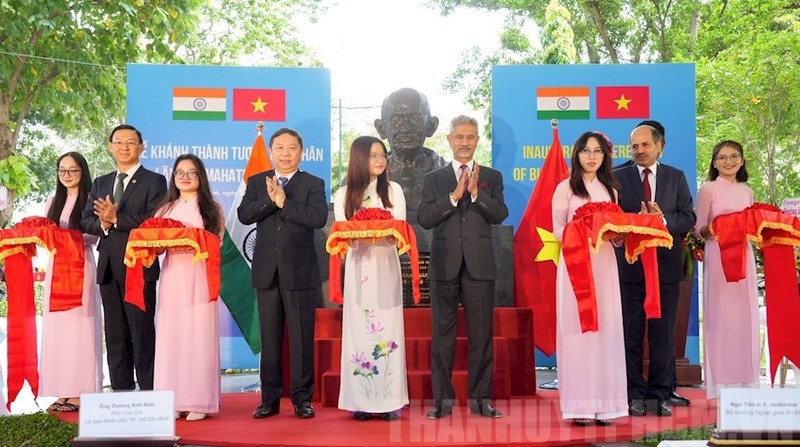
x: 341, y: 160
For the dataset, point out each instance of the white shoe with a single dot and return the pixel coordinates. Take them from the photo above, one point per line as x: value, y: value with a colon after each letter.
x: 192, y: 416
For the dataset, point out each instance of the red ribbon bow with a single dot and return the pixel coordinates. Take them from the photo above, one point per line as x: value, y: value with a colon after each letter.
x: 584, y: 235
x: 342, y: 232
x: 163, y: 233
x: 776, y: 233
x: 18, y: 247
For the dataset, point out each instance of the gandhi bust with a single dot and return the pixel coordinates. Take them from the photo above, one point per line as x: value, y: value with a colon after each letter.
x: 405, y: 122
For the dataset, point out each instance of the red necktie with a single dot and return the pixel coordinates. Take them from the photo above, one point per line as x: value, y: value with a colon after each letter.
x: 648, y: 193
x: 466, y: 198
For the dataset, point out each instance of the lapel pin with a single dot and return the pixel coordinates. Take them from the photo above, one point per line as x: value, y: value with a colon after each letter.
x: 133, y: 181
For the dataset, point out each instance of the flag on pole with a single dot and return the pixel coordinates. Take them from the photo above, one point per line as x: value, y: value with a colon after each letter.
x: 237, y: 256
x: 536, y: 251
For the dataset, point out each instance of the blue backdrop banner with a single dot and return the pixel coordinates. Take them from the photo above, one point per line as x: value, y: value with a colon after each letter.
x: 211, y: 111
x: 608, y: 98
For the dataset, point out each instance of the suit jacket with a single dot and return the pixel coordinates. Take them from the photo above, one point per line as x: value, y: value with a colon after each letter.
x: 461, y: 234
x: 144, y: 192
x: 675, y: 200
x: 285, y: 236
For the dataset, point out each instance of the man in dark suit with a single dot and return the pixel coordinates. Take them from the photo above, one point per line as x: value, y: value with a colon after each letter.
x: 461, y: 202
x: 675, y: 399
x: 119, y: 202
x: 287, y: 205
x: 648, y: 186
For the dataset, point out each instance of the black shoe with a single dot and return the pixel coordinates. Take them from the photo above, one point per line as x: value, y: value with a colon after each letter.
x: 439, y: 412
x: 580, y: 422
x: 390, y: 416
x: 361, y: 416
x: 486, y: 410
x: 676, y: 400
x: 603, y: 422
x: 304, y: 410
x: 662, y: 409
x: 637, y: 408
x: 266, y: 410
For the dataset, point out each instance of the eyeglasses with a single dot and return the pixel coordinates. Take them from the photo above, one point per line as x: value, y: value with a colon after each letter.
x: 376, y: 157
x: 733, y: 157
x: 125, y: 143
x: 68, y: 172
x: 191, y: 175
x: 589, y: 153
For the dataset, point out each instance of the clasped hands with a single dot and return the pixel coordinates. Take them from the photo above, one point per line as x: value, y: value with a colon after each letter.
x: 106, y: 211
x: 275, y: 191
x: 471, y: 182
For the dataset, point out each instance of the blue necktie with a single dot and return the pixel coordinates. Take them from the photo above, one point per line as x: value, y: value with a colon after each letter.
x: 283, y: 181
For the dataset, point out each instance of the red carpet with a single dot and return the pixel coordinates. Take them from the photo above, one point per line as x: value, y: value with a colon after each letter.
x: 528, y: 421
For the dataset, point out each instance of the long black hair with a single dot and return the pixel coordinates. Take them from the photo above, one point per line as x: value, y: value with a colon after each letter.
x: 209, y: 209
x: 603, y: 173
x: 358, y: 175
x: 84, y: 186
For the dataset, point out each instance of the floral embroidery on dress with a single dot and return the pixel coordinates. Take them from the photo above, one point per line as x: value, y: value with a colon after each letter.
x: 368, y: 370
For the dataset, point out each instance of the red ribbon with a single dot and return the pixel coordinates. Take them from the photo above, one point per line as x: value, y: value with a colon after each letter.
x: 585, y: 234
x: 342, y: 232
x: 18, y: 247
x: 775, y: 232
x: 161, y: 233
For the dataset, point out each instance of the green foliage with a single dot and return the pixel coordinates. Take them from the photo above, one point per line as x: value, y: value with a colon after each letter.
x: 62, y: 66
x: 611, y: 30
x: 16, y: 175
x: 235, y: 31
x: 558, y: 38
x: 748, y: 90
x: 38, y: 297
x: 686, y: 434
x: 34, y: 430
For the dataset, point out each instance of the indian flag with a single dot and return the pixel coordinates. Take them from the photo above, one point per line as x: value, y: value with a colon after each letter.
x: 570, y: 103
x: 199, y: 104
x: 237, y: 256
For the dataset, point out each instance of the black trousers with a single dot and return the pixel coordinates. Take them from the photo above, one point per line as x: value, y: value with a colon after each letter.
x: 297, y: 310
x: 477, y: 297
x: 130, y: 335
x: 660, y: 339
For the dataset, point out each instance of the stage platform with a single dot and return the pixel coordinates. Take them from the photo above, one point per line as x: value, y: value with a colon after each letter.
x: 528, y: 421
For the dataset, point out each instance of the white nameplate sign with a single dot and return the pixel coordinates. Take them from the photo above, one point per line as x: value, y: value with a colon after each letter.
x: 757, y: 409
x: 127, y: 414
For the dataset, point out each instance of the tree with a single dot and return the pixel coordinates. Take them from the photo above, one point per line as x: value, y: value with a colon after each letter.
x: 63, y: 66
x: 63, y: 62
x: 235, y: 31
x: 748, y: 90
x: 613, y: 31
x: 558, y: 38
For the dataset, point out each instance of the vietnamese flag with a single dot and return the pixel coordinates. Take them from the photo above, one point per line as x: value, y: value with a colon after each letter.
x: 536, y: 251
x: 258, y: 104
x: 620, y: 102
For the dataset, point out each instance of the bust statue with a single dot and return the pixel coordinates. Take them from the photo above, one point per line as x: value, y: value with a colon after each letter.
x: 405, y: 122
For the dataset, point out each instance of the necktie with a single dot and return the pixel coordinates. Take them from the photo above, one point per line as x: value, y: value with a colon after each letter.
x: 120, y: 188
x: 648, y: 194
x: 465, y: 199
x: 283, y: 181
